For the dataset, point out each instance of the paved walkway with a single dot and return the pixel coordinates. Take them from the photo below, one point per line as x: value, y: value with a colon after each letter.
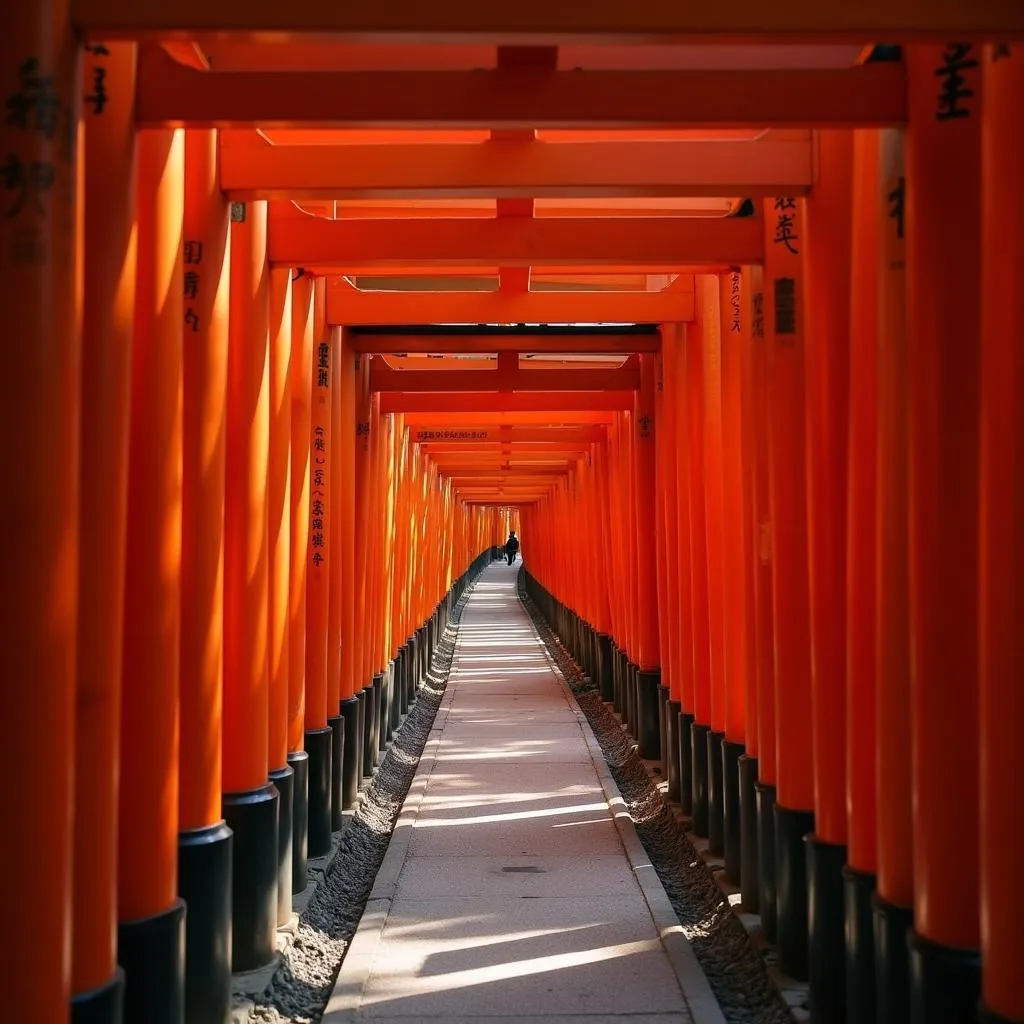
x: 511, y: 890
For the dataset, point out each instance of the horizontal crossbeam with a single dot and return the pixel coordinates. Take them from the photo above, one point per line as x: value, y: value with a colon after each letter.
x: 486, y: 343
x: 553, y: 402
x: 666, y: 243
x: 251, y: 168
x: 383, y: 378
x: 472, y: 437
x: 172, y: 95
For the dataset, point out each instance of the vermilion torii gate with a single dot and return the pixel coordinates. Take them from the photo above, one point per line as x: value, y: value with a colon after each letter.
x: 309, y: 304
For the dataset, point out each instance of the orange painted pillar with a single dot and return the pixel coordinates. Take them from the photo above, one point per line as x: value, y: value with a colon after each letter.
x: 40, y: 416
x: 861, y: 572
x: 753, y: 444
x: 318, y: 737
x: 386, y: 590
x: 734, y: 597
x: 1002, y: 523
x: 645, y: 499
x: 336, y: 569
x: 205, y: 842
x: 827, y: 367
x: 700, y: 615
x: 152, y: 917
x: 251, y: 801
x: 108, y: 310
x: 943, y: 303
x: 784, y: 283
x: 300, y: 390
x: 279, y: 543
x: 894, y: 898
x: 714, y: 515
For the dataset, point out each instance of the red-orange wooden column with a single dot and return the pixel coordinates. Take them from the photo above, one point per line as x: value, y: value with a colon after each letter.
x: 336, y: 568
x: 1002, y: 523
x: 647, y: 522
x: 205, y: 843
x: 251, y: 801
x: 279, y: 542
x: 300, y: 389
x: 602, y: 555
x: 784, y: 284
x: 734, y: 339
x: 318, y: 738
x: 152, y: 917
x: 752, y: 444
x: 350, y: 690
x: 41, y: 426
x: 386, y: 569
x: 895, y: 884
x: 714, y: 525
x: 861, y: 572
x: 827, y: 368
x: 109, y: 302
x: 699, y: 608
x: 943, y: 304
x: 676, y: 348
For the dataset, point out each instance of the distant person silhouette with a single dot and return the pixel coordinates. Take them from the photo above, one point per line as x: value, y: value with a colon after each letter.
x: 511, y: 547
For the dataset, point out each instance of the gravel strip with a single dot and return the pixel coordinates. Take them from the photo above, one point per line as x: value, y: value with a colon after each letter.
x: 299, y: 989
x: 735, y: 970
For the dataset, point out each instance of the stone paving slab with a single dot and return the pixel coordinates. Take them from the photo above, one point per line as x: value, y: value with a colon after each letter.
x: 514, y: 887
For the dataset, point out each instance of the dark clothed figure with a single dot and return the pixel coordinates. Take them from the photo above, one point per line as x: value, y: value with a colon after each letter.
x: 511, y: 547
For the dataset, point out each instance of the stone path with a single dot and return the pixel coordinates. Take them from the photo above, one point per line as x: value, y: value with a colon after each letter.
x: 514, y: 887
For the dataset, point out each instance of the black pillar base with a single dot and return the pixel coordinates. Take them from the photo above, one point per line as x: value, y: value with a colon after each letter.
x: 423, y: 639
x: 633, y: 707
x: 663, y: 729
x: 605, y: 668
x: 205, y: 856
x: 350, y: 754
x: 151, y: 952
x: 732, y: 822
x: 858, y: 889
x: 716, y: 794
x: 648, y: 685
x: 408, y: 672
x: 699, y: 750
x: 105, y: 1005
x: 672, y: 748
x: 826, y: 936
x: 284, y: 780
x: 298, y: 761
x: 616, y: 680
x: 252, y: 816
x: 892, y: 961
x: 750, y: 882
x: 318, y: 835
x: 371, y: 754
x: 384, y: 735
x: 945, y: 983
x: 685, y: 758
x: 337, y: 727
x: 791, y: 869
x: 395, y: 694
x: 765, y: 795
x: 360, y: 737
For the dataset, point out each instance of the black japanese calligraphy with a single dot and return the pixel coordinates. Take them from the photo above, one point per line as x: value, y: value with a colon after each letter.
x: 785, y: 305
x: 193, y: 252
x: 757, y: 319
x: 896, y: 198
x: 953, y: 90
x: 29, y: 182
x: 1001, y: 51
x: 97, y: 99
x: 735, y: 326
x: 35, y: 106
x: 191, y: 284
x: 192, y: 320
x: 785, y: 224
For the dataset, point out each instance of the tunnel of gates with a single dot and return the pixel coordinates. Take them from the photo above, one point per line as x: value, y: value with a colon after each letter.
x: 771, y: 497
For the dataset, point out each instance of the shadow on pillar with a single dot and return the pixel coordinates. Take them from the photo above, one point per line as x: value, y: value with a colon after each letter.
x: 892, y: 961
x: 298, y: 761
x: 699, y: 737
x: 284, y: 781
x: 859, y: 889
x: 685, y: 756
x: 252, y: 816
x: 318, y: 835
x: 945, y: 983
x: 769, y: 896
x: 350, y: 753
x: 716, y: 794
x: 791, y: 893
x: 360, y: 738
x: 750, y: 882
x: 663, y: 729
x: 732, y: 822
x: 103, y: 1005
x: 151, y: 952
x: 826, y: 937
x: 337, y: 726
x: 671, y: 751
x: 648, y: 698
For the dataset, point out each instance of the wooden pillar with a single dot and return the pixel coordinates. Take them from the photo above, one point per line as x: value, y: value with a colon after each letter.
x: 108, y: 311
x: 205, y: 842
x: 335, y: 569
x: 151, y: 939
x: 943, y: 302
x: 1002, y: 523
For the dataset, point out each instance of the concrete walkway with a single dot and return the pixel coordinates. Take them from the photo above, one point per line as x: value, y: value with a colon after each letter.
x: 512, y: 890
